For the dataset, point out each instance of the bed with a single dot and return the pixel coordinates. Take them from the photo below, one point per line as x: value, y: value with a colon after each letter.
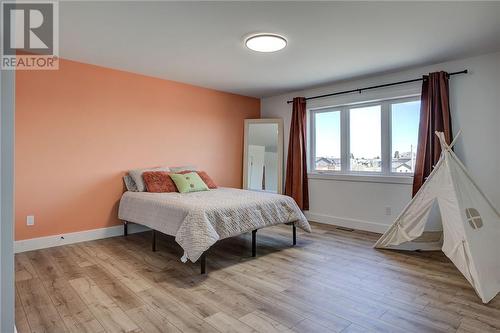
x: 199, y: 219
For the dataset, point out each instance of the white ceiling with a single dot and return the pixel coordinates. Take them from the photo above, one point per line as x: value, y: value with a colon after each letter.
x: 202, y: 42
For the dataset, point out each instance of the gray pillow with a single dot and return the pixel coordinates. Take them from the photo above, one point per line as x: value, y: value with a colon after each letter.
x: 184, y: 168
x: 129, y: 183
x: 136, y: 176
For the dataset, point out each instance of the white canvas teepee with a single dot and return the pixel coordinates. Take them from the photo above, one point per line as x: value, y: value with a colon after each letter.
x: 470, y: 224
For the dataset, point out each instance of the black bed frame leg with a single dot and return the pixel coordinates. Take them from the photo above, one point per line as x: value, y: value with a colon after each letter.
x: 153, y: 244
x: 203, y: 263
x: 125, y: 228
x: 254, y: 243
x: 294, y: 234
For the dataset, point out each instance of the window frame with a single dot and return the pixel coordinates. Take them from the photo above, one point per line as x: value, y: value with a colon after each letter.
x: 386, y: 139
x: 312, y: 147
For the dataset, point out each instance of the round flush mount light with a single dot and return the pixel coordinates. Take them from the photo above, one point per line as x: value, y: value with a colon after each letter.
x: 265, y: 42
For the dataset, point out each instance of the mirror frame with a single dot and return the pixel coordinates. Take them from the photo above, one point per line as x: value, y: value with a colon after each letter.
x: 277, y: 121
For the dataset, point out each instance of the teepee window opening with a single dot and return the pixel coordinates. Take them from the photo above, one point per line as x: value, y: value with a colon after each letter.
x: 474, y: 218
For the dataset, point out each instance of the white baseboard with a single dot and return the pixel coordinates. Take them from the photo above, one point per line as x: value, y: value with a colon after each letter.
x: 88, y: 235
x: 347, y: 222
x: 74, y: 237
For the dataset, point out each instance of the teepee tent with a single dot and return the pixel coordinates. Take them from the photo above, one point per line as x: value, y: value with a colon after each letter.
x: 470, y: 224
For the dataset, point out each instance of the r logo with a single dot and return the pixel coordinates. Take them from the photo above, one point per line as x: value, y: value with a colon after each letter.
x: 29, y: 35
x: 28, y: 28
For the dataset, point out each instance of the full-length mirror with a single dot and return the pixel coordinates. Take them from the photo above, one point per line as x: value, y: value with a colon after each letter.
x: 263, y: 155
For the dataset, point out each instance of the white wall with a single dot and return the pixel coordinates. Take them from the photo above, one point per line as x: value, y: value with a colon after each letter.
x: 475, y: 106
x: 7, y: 96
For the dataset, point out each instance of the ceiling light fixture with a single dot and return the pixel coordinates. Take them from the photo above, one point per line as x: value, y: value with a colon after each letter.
x: 265, y: 42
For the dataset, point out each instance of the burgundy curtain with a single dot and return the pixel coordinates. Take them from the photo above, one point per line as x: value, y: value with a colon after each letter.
x: 434, y: 116
x: 296, y: 165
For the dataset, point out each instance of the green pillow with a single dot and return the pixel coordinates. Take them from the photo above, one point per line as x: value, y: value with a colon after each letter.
x: 188, y: 182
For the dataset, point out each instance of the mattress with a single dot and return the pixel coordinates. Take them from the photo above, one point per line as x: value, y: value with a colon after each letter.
x: 199, y: 219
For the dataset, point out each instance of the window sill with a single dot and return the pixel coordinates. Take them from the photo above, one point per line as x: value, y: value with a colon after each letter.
x: 370, y: 178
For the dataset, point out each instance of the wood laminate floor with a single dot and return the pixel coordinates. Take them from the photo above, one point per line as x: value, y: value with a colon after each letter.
x: 332, y: 281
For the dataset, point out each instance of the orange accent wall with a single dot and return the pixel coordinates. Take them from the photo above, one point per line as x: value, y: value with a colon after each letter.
x: 79, y: 128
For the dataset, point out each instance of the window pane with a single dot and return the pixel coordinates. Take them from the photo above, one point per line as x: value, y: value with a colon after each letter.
x: 327, y: 141
x: 405, y: 120
x: 365, y: 139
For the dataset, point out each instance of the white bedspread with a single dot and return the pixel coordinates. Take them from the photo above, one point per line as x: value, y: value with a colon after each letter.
x: 199, y: 219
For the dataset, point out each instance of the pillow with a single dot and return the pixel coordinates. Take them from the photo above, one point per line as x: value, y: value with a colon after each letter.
x: 129, y: 183
x: 136, y: 175
x: 183, y: 168
x: 188, y: 182
x: 205, y: 177
x: 158, y: 181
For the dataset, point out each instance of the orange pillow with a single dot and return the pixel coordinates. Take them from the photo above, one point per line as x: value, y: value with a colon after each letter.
x: 204, y: 176
x: 158, y: 182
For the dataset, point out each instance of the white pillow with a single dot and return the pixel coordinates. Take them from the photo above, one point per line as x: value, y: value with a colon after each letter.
x: 136, y: 176
x: 183, y: 168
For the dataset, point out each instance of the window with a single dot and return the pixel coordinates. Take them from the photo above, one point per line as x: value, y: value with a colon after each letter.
x: 404, y: 119
x: 365, y: 138
x: 327, y: 141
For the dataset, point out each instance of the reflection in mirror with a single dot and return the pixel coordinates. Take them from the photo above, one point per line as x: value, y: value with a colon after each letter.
x: 263, y: 155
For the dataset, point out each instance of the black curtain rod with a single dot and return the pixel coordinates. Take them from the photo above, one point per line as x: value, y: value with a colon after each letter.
x: 359, y: 90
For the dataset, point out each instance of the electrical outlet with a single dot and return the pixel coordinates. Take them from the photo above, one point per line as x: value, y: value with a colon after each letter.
x: 388, y: 211
x: 30, y: 220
